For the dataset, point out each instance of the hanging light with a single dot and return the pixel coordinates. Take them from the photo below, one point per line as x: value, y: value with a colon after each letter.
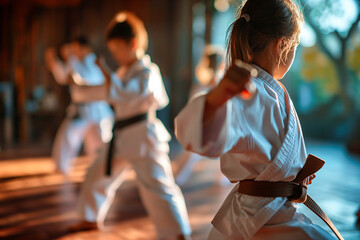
x: 221, y: 5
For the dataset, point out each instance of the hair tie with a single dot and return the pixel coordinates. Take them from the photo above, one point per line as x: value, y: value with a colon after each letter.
x: 246, y: 16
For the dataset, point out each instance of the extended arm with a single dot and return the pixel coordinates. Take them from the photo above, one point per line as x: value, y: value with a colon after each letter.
x: 203, y: 126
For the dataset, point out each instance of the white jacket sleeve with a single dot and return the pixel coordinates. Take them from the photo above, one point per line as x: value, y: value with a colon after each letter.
x: 139, y: 96
x: 156, y: 86
x: 87, y: 93
x: 60, y: 72
x: 190, y: 132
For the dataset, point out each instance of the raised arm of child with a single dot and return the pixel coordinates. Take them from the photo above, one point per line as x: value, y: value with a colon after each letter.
x: 58, y: 69
x: 233, y: 83
x: 113, y: 92
x: 202, y: 126
x: 86, y: 93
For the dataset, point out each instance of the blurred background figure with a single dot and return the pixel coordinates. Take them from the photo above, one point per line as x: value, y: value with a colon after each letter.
x: 209, y: 69
x: 208, y: 72
x: 86, y: 124
x: 140, y: 140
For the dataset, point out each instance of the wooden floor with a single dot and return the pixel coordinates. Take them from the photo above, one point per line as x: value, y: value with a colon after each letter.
x: 36, y: 203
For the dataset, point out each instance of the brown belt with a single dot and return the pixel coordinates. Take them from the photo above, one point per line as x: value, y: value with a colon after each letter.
x: 295, y: 191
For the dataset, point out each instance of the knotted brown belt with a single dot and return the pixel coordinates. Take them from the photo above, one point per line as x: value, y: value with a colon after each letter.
x: 295, y: 191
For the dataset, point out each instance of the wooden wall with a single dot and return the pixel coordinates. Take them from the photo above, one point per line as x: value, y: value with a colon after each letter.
x: 28, y: 27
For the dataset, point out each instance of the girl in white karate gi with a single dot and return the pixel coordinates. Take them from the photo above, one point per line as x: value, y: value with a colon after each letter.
x: 87, y: 123
x: 136, y: 89
x: 207, y: 72
x: 258, y: 138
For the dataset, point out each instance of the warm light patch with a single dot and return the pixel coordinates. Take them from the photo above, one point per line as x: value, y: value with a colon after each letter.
x: 106, y: 129
x: 78, y: 79
x: 221, y: 5
x: 121, y: 17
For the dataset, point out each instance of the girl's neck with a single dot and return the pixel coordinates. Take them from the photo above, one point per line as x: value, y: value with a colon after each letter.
x: 265, y: 61
x: 122, y: 71
x: 131, y: 62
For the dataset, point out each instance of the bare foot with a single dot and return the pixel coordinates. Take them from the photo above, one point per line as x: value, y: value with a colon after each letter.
x: 83, y: 226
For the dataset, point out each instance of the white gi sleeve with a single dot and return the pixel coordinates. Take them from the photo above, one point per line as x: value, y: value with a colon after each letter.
x: 60, y: 72
x: 139, y: 93
x: 211, y: 140
x: 156, y: 86
x: 83, y: 93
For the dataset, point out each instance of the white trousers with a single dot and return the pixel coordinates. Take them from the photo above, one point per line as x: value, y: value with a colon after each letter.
x: 71, y: 135
x: 162, y: 198
x: 299, y: 228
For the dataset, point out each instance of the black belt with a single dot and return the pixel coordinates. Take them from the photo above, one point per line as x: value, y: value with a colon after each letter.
x: 77, y: 113
x: 120, y: 124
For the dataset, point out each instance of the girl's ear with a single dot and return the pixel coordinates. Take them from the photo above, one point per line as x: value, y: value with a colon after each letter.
x: 279, y: 44
x: 278, y: 49
x: 133, y: 44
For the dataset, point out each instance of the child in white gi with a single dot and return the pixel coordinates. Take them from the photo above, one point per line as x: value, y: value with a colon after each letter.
x: 208, y: 72
x: 87, y: 123
x: 259, y: 138
x: 140, y: 139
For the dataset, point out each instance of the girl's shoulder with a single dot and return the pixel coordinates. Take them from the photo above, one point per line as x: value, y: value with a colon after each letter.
x: 268, y: 99
x: 144, y: 67
x: 148, y: 65
x: 261, y: 114
x: 268, y: 88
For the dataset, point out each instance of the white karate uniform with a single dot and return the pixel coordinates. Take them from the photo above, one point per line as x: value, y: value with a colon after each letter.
x: 93, y: 123
x: 186, y: 160
x: 255, y: 139
x: 142, y: 146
